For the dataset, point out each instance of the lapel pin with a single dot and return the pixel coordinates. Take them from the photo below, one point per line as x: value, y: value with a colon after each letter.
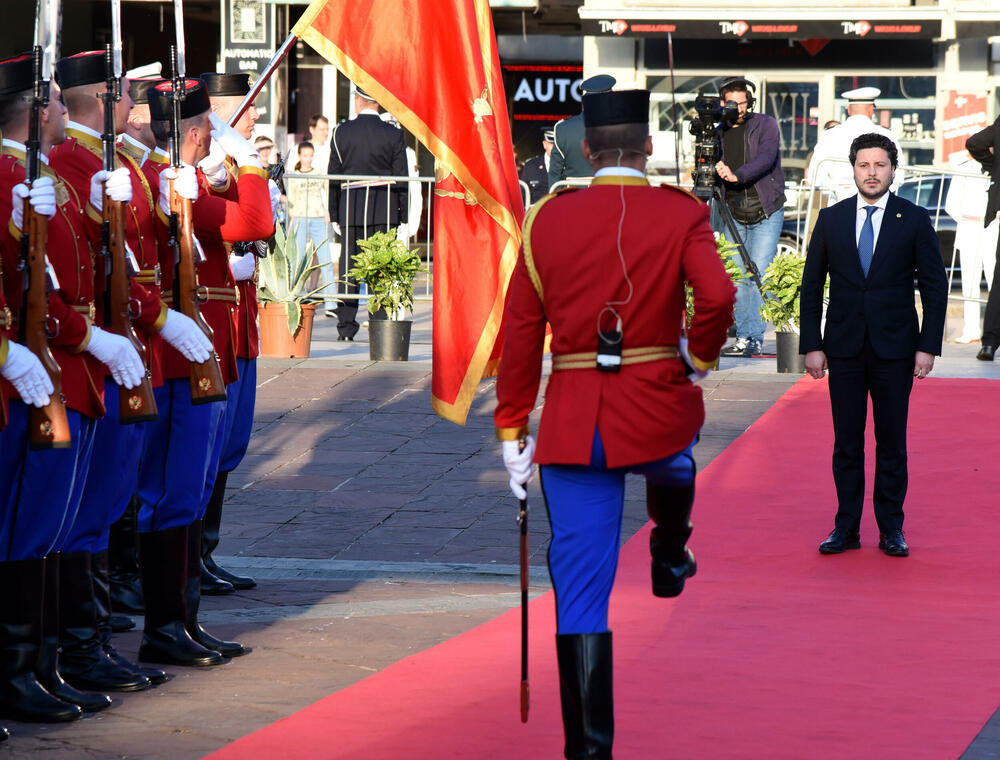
x: 899, y: 216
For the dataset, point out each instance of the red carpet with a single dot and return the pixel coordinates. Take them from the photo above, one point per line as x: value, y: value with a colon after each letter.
x: 773, y: 650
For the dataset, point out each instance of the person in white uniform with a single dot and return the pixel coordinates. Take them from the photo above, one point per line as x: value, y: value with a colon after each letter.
x: 975, y: 241
x: 829, y: 168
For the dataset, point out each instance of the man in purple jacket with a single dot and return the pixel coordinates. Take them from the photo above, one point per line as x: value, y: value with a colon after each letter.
x: 754, y: 188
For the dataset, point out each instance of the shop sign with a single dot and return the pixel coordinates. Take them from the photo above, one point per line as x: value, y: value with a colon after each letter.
x: 853, y: 28
x: 543, y: 92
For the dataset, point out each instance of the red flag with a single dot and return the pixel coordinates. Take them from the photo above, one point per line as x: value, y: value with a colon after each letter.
x: 434, y: 66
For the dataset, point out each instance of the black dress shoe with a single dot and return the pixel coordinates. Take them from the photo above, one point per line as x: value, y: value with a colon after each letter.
x: 840, y: 540
x: 986, y: 352
x: 211, y: 585
x: 121, y: 623
x: 668, y: 580
x: 893, y: 544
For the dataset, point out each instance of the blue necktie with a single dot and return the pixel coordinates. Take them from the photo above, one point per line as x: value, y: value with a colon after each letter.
x: 866, y: 241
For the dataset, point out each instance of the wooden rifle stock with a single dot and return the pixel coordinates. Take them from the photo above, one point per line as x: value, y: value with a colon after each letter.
x: 206, y: 378
x: 134, y: 404
x: 48, y: 427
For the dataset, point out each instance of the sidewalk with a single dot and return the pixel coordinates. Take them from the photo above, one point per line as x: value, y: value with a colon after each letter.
x: 375, y: 530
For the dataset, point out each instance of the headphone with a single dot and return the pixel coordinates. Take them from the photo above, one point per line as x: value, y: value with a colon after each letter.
x: 750, y: 86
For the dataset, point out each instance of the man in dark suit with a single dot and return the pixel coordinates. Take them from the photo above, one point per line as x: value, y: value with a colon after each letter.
x: 984, y: 146
x: 872, y: 245
x: 364, y: 146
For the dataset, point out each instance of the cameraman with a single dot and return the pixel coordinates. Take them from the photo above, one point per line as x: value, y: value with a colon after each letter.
x: 754, y: 189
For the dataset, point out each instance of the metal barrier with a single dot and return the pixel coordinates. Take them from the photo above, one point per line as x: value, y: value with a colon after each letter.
x: 308, y: 194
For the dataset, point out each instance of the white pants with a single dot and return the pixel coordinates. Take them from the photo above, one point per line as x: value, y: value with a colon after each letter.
x: 977, y: 255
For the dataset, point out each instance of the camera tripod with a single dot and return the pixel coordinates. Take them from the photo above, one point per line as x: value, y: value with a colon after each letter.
x: 727, y: 217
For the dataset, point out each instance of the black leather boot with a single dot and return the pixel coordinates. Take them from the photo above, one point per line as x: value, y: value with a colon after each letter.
x: 22, y: 697
x: 47, y: 665
x: 4, y: 734
x: 105, y: 625
x: 585, y: 679
x: 192, y: 600
x: 163, y: 563
x: 126, y: 591
x: 672, y: 561
x: 211, y: 574
x: 83, y: 662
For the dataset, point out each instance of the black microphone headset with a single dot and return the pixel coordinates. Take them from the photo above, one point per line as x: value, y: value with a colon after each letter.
x: 750, y: 86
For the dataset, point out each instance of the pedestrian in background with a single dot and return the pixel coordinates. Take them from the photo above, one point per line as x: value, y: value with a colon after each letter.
x: 308, y: 212
x: 984, y: 146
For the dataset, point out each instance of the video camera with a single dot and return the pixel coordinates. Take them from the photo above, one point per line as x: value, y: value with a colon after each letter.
x: 707, y: 153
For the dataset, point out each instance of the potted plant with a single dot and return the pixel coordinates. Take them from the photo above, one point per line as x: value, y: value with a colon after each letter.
x: 287, y: 306
x: 782, y: 287
x: 387, y: 266
x: 727, y: 251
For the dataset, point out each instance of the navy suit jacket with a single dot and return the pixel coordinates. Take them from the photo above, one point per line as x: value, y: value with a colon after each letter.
x: 881, y: 304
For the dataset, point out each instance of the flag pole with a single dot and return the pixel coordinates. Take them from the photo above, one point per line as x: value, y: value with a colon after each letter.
x: 275, y: 62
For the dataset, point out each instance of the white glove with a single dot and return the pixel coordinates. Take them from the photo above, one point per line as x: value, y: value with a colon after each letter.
x: 29, y: 378
x: 183, y: 333
x: 275, y: 191
x: 185, y: 182
x: 402, y: 232
x: 693, y: 372
x: 117, y: 185
x: 43, y: 200
x: 214, y: 165
x: 518, y: 464
x: 336, y: 229
x: 242, y: 266
x: 117, y: 354
x: 233, y: 143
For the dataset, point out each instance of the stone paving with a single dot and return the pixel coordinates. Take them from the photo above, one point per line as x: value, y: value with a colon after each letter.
x: 375, y: 530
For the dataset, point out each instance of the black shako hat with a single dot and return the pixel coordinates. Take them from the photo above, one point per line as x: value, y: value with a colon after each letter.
x: 138, y: 89
x: 81, y: 69
x: 194, y: 104
x: 16, y: 74
x: 604, y: 109
x: 219, y: 85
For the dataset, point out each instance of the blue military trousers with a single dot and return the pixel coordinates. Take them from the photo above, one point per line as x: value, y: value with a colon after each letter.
x: 177, y: 451
x: 40, y: 491
x: 112, y: 479
x: 237, y: 420
x: 585, y: 506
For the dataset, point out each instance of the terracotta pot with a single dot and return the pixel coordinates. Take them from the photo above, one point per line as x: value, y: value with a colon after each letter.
x: 274, y: 338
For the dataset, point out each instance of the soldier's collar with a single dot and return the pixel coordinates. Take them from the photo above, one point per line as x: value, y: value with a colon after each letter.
x: 619, y: 179
x: 86, y: 137
x: 159, y: 155
x: 18, y: 151
x: 132, y: 147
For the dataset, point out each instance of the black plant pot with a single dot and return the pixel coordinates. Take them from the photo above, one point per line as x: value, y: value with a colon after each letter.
x: 389, y: 339
x: 789, y: 358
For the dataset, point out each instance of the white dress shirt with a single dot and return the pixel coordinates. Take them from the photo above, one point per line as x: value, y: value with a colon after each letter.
x: 862, y: 215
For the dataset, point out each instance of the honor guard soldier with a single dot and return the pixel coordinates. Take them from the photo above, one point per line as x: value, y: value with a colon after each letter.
x: 535, y: 172
x: 364, y: 146
x: 567, y: 160
x: 180, y: 447
x: 226, y: 92
x: 89, y: 660
x: 42, y: 487
x: 827, y: 168
x: 604, y: 278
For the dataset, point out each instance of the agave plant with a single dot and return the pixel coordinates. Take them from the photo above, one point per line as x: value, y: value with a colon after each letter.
x: 284, y: 276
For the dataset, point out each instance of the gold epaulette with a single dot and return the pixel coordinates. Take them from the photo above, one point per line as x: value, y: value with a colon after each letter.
x: 678, y: 189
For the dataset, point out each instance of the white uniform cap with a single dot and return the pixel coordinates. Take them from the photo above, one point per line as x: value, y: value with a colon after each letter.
x: 862, y: 95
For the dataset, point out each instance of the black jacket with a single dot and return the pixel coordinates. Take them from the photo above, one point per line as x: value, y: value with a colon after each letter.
x: 536, y: 177
x: 882, y: 303
x: 368, y: 146
x: 979, y: 146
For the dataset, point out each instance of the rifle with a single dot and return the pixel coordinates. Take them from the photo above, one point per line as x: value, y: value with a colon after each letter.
x: 137, y: 404
x: 206, y: 378
x: 48, y: 427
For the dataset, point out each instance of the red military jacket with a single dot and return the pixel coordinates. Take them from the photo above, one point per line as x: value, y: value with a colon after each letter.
x: 72, y: 234
x: 77, y: 160
x: 218, y: 221
x: 247, y: 331
x: 569, y: 269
